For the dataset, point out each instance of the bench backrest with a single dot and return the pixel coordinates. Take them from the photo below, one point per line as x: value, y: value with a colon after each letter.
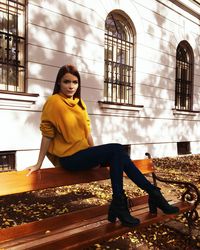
x: 17, y: 181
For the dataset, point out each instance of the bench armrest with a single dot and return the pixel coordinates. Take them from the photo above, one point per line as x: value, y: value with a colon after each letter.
x: 190, y: 194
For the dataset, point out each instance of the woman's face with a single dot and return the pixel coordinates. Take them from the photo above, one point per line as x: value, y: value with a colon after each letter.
x: 68, y: 85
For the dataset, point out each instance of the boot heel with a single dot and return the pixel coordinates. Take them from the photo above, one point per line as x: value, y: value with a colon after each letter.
x: 152, y: 207
x: 111, y: 217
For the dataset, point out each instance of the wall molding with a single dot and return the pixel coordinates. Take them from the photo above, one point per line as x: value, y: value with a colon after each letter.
x: 14, y: 100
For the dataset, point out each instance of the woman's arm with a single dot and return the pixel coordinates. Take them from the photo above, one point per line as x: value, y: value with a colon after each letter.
x: 45, y: 142
x: 90, y: 140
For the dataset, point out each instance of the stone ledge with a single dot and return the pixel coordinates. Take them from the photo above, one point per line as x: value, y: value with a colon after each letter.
x: 120, y: 108
x: 13, y: 100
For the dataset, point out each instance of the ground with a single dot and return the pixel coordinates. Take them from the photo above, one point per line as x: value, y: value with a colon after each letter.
x: 26, y: 207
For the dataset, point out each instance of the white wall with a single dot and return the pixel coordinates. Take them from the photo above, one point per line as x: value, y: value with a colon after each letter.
x: 65, y: 31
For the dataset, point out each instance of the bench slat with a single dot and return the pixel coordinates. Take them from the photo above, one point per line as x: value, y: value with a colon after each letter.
x: 67, y: 219
x: 87, y: 232
x: 56, y: 222
x: 146, y: 166
x: 18, y: 181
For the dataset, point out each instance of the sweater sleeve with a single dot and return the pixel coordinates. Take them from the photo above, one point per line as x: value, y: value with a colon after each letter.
x: 47, y: 122
x: 86, y: 116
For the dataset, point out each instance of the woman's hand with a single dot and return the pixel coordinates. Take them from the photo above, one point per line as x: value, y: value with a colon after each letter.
x: 45, y: 142
x: 33, y: 168
x: 90, y: 140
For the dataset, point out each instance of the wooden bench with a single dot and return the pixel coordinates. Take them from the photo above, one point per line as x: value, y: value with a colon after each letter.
x: 79, y: 229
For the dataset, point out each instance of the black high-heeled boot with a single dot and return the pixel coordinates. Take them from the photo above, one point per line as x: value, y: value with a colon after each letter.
x: 157, y: 200
x: 119, y: 209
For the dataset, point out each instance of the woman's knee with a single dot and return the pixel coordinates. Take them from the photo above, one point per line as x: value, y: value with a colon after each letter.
x: 116, y: 148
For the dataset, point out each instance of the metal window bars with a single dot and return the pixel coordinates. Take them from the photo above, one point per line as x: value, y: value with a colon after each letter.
x: 7, y: 161
x: 119, y: 54
x: 184, y: 77
x: 12, y: 45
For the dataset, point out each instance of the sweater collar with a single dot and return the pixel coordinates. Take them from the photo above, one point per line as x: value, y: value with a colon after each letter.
x: 69, y: 101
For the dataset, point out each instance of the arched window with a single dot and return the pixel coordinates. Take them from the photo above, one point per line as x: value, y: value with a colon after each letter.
x: 184, y: 76
x: 119, y: 54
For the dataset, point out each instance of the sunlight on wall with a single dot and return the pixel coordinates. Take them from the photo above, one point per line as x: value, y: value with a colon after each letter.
x: 25, y: 159
x: 70, y: 45
x: 35, y: 69
x: 18, y: 130
x: 61, y: 32
x: 51, y: 5
x: 144, y: 134
x: 43, y: 37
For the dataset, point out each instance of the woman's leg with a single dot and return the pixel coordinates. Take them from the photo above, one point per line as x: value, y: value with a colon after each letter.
x: 93, y: 156
x: 106, y: 154
x: 115, y: 156
x: 134, y: 173
x: 156, y: 199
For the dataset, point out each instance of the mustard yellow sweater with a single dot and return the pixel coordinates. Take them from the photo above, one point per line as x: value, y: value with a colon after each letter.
x: 66, y: 123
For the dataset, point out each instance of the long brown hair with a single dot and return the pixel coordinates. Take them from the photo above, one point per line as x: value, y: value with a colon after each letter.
x: 68, y: 68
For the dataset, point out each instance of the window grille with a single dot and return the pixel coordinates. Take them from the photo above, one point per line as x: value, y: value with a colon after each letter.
x: 183, y: 148
x: 119, y: 58
x: 184, y: 76
x: 7, y: 161
x: 12, y: 45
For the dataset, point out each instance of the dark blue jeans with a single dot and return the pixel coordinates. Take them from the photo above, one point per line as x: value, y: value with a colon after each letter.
x: 111, y: 154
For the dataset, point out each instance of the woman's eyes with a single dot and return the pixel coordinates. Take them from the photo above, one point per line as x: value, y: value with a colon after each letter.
x: 69, y: 81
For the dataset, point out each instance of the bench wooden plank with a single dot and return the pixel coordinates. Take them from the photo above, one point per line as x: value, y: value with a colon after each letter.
x: 66, y: 235
x: 18, y: 181
x: 54, y: 222
x: 146, y: 166
x: 68, y: 220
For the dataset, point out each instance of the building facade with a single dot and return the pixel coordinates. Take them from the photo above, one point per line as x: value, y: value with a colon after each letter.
x: 139, y: 62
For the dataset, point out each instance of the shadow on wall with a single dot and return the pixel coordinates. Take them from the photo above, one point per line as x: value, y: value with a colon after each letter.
x: 61, y: 33
x: 58, y: 33
x: 155, y: 89
x: 162, y: 82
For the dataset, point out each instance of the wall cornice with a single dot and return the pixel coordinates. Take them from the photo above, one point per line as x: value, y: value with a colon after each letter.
x: 190, y: 6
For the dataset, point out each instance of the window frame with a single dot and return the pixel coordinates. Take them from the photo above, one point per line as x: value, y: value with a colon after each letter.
x: 184, y: 77
x: 14, y: 69
x: 183, y: 148
x: 119, y: 86
x: 7, y: 161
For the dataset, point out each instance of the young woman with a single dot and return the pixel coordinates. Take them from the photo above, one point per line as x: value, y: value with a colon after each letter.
x: 67, y: 141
